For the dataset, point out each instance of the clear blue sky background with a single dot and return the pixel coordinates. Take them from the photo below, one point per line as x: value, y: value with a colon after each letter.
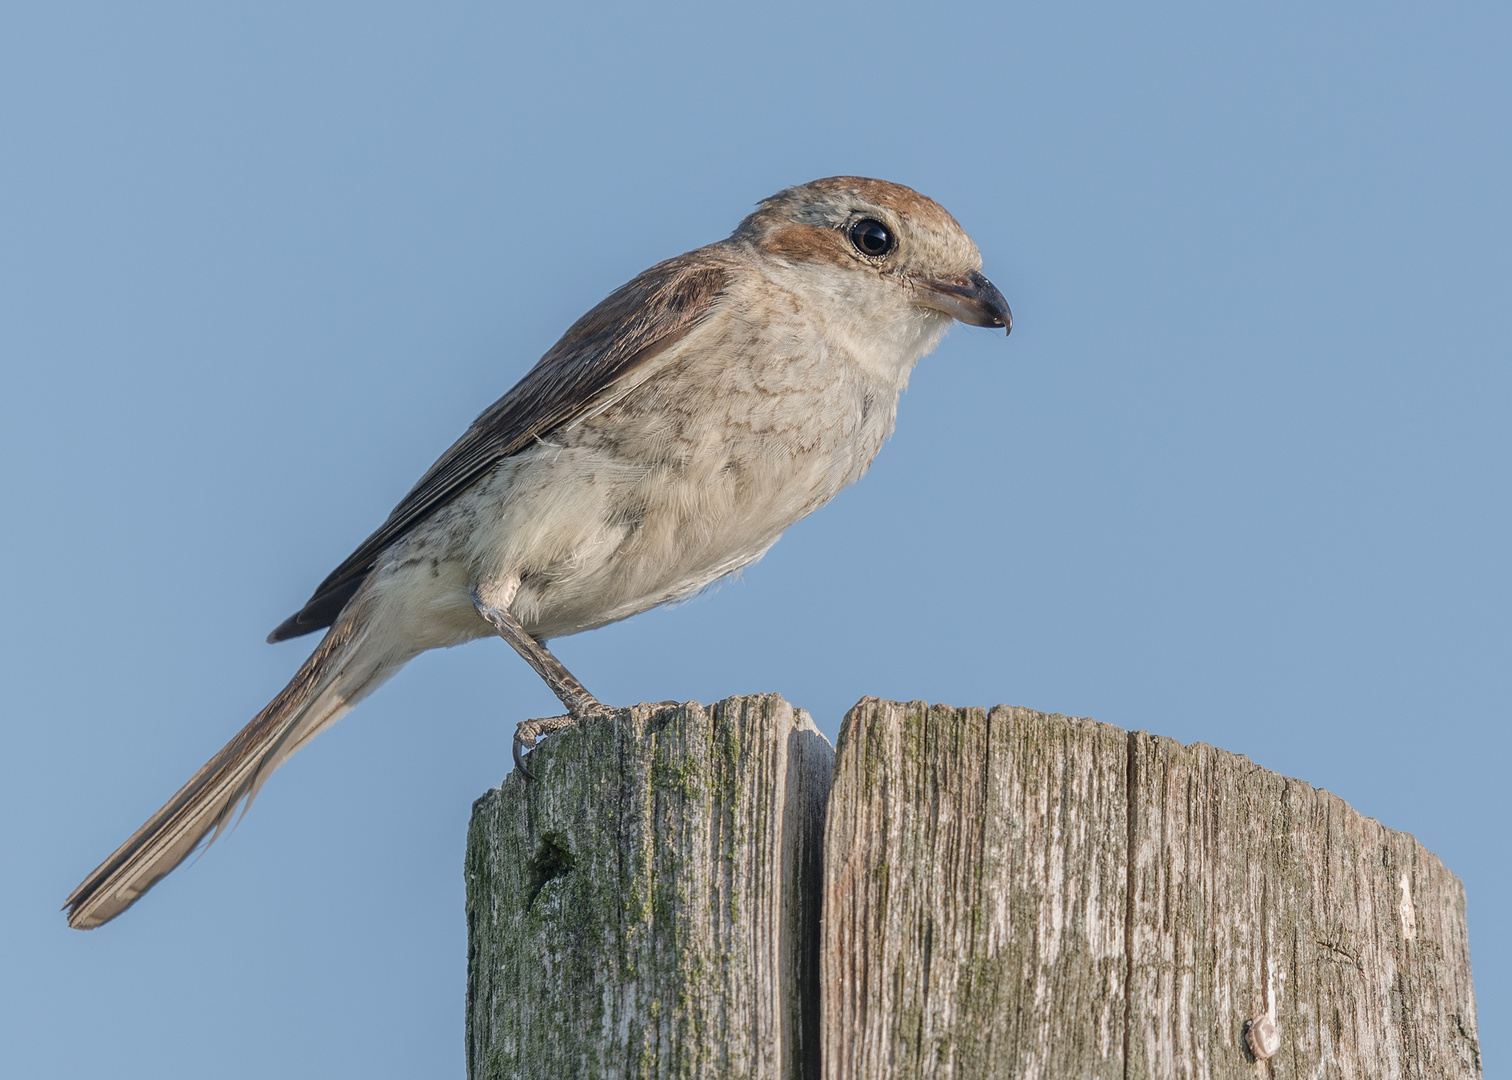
x: 1241, y: 474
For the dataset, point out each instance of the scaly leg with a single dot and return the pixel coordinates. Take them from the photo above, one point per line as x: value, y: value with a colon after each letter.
x: 563, y: 683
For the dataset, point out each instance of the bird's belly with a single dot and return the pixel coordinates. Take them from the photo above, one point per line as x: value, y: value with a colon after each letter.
x: 598, y: 533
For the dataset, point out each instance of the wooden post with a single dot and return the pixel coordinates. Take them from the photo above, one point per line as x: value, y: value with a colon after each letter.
x: 649, y: 906
x: 1005, y: 894
x: 1010, y: 894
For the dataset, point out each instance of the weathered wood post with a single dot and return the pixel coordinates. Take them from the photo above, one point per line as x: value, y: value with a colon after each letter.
x: 1004, y: 894
x: 650, y: 906
x: 1010, y: 894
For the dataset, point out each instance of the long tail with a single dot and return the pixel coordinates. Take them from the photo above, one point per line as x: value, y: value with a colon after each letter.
x: 340, y: 672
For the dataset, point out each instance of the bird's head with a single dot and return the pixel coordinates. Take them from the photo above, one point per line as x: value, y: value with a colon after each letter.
x: 883, y: 248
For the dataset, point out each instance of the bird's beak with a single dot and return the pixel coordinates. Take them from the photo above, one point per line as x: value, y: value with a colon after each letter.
x: 970, y: 297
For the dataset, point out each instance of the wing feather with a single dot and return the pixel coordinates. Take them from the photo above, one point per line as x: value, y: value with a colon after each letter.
x: 618, y: 338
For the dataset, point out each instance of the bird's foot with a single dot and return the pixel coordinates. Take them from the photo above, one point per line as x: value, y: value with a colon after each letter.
x: 527, y: 732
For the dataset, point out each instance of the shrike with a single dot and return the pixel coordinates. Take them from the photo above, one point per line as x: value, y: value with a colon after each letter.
x: 665, y: 441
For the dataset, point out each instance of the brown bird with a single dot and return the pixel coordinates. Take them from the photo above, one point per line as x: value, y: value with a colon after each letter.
x: 668, y: 439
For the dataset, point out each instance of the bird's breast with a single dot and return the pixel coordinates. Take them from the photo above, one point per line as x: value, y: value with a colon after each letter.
x: 689, y: 477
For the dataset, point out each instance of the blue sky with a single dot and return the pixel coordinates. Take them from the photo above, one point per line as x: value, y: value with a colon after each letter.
x: 1240, y: 475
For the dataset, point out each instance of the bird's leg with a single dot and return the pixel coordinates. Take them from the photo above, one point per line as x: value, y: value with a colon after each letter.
x: 563, y: 683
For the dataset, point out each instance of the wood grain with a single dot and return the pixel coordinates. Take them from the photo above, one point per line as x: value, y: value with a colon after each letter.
x: 1004, y: 893
x: 1255, y: 894
x: 649, y: 907
x: 1016, y: 894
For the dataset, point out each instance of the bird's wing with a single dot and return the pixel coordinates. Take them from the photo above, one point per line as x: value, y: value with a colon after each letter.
x: 617, y: 339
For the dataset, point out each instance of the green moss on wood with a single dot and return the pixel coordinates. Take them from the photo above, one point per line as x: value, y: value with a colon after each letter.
x: 609, y: 904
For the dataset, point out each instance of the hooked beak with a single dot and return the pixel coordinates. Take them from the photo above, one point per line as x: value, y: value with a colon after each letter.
x: 970, y: 297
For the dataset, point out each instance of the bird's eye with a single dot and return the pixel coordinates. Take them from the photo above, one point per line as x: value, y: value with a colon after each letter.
x: 871, y: 238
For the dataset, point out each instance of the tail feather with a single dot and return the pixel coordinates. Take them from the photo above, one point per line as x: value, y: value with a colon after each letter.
x: 318, y: 695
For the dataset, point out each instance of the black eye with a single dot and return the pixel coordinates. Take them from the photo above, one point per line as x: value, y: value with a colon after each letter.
x: 871, y: 237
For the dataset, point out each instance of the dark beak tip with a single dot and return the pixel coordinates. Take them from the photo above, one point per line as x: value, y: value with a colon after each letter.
x: 972, y: 299
x: 993, y: 299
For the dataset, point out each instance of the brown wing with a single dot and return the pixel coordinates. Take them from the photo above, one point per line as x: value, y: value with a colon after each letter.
x: 628, y: 329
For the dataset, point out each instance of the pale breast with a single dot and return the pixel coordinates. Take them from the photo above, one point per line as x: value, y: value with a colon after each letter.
x: 752, y: 424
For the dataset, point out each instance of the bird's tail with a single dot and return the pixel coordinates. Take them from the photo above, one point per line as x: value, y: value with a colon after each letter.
x: 344, y: 668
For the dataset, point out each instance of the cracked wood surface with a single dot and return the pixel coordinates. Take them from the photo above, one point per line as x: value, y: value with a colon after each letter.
x: 1004, y: 894
x: 1016, y: 894
x: 649, y: 907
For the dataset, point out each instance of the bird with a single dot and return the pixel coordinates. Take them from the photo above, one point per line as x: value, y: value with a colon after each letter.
x: 664, y: 442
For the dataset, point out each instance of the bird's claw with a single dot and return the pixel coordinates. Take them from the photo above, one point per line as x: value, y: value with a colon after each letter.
x: 520, y: 746
x: 528, y: 732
